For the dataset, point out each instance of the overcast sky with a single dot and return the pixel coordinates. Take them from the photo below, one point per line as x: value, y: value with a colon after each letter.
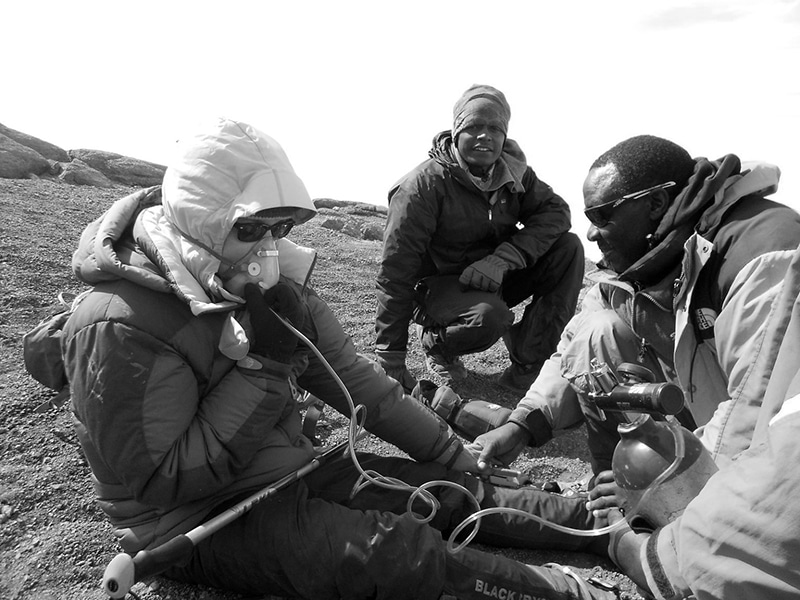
x: 355, y: 91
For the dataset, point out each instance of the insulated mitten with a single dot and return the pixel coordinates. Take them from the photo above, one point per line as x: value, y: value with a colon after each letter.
x: 273, y: 339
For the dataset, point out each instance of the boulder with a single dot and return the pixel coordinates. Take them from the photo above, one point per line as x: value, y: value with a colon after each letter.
x: 20, y: 162
x: 352, y: 226
x: 121, y: 169
x: 372, y: 231
x: 46, y: 149
x: 78, y: 172
x: 351, y: 207
x: 333, y: 223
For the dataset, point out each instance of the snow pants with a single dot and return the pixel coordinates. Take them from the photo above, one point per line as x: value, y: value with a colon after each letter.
x: 457, y: 321
x: 313, y: 540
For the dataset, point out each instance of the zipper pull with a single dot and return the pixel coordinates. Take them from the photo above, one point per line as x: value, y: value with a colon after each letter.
x: 642, y: 350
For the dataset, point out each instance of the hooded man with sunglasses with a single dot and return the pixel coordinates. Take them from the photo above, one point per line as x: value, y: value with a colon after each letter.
x: 183, y: 375
x: 693, y: 254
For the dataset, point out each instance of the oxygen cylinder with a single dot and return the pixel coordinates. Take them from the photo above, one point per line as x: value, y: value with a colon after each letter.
x: 646, y: 450
x: 655, y: 398
x: 636, y: 392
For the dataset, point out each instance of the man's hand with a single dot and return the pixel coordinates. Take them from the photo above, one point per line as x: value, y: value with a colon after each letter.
x: 605, y: 499
x: 624, y: 545
x: 485, y: 274
x: 466, y: 461
x: 393, y: 362
x: 501, y: 445
x: 272, y: 338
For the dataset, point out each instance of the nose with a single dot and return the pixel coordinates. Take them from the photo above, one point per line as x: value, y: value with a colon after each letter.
x: 269, y: 239
x: 593, y: 233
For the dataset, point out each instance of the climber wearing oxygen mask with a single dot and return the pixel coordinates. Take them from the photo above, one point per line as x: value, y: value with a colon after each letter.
x: 257, y: 237
x: 184, y: 361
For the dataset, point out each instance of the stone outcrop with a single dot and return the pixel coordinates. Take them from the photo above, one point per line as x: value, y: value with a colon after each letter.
x: 358, y: 220
x: 353, y: 208
x: 24, y: 156
x: 18, y: 161
x: 46, y: 149
x: 122, y: 169
x: 78, y: 172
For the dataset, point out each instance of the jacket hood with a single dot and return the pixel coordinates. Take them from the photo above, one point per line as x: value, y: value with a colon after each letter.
x: 229, y: 171
x: 129, y: 241
x: 508, y: 170
x: 714, y: 187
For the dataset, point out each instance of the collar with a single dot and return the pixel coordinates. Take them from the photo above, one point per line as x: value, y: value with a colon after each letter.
x: 482, y: 183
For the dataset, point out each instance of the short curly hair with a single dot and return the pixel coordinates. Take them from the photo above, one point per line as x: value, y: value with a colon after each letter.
x: 646, y: 160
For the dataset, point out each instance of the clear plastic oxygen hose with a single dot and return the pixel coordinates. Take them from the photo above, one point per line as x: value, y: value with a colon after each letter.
x: 368, y: 476
x: 680, y: 449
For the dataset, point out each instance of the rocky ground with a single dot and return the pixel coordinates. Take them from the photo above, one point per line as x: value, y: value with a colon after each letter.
x: 54, y: 541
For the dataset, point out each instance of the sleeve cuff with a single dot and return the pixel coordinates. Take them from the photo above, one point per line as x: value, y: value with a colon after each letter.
x: 535, y: 423
x: 509, y: 253
x: 660, y: 564
x: 451, y: 452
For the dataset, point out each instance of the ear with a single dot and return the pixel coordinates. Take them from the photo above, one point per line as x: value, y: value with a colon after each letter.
x: 659, y: 203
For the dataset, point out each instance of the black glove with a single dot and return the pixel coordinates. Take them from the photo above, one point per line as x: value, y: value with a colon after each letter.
x: 272, y: 338
x: 485, y: 274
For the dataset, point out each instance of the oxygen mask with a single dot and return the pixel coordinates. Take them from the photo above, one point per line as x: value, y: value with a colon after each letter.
x: 257, y: 260
x: 260, y: 267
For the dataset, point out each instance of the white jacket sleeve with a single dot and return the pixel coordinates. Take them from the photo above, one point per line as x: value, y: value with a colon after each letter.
x: 740, y: 329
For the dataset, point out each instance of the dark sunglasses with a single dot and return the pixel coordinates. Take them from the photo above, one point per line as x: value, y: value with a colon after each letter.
x: 252, y: 231
x: 600, y: 215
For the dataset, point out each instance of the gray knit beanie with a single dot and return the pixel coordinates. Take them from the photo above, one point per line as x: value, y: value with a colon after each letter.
x: 483, y: 100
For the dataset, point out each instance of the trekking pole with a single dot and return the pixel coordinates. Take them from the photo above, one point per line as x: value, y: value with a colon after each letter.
x: 124, y: 570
